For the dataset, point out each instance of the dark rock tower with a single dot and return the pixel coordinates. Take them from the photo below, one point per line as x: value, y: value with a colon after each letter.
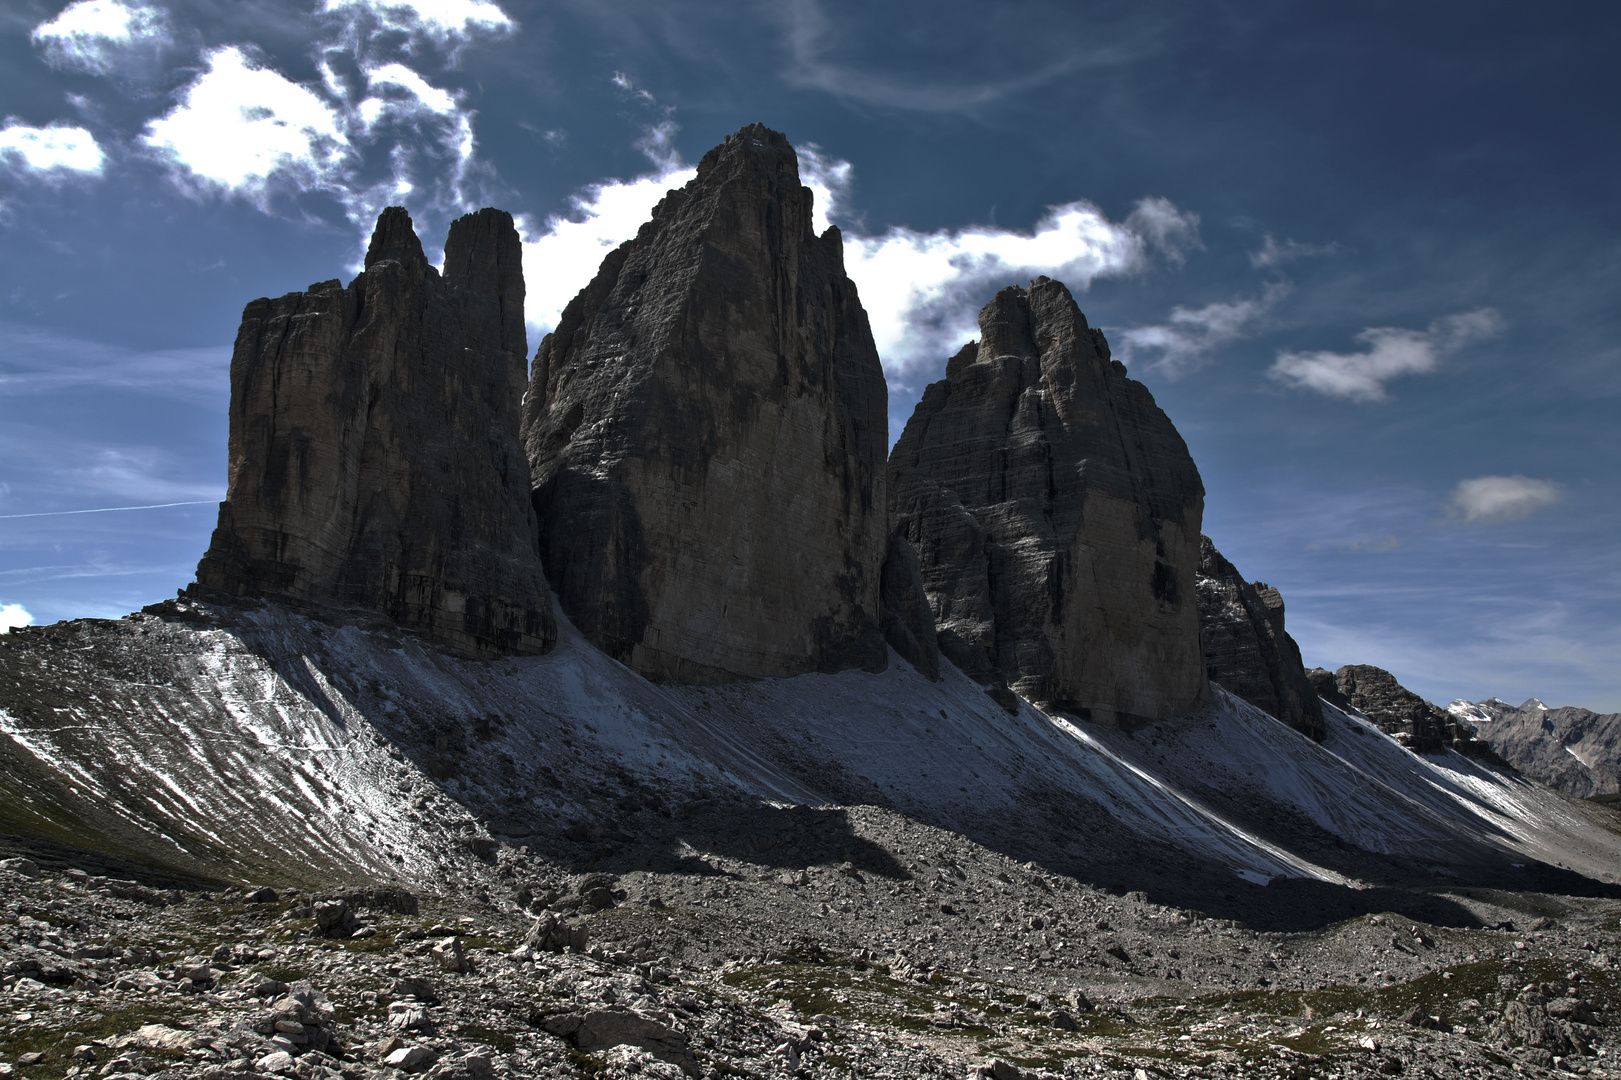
x: 374, y: 451
x: 706, y: 431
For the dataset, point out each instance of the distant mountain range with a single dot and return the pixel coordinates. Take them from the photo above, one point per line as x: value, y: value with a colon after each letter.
x: 1574, y: 750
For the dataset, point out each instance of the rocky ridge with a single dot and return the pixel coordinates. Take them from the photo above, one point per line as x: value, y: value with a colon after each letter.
x: 374, y: 458
x: 1055, y: 513
x: 706, y: 430
x: 1246, y: 648
x: 1409, y: 719
x: 1575, y: 750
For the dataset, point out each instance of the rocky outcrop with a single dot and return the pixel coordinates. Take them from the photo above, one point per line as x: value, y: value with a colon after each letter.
x: 1398, y: 712
x: 1575, y: 750
x: 374, y: 450
x: 1246, y: 648
x: 706, y: 430
x: 1055, y: 512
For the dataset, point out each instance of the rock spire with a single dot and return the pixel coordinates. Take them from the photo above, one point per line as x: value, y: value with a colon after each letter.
x: 1246, y: 648
x: 1055, y: 512
x: 706, y: 430
x: 374, y: 450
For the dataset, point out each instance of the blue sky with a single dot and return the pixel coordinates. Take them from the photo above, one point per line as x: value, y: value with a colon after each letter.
x: 1367, y: 257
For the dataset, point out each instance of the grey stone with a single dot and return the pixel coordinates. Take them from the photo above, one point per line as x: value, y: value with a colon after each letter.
x: 26, y: 867
x: 706, y: 429
x: 374, y: 457
x: 1055, y: 512
x: 1246, y: 649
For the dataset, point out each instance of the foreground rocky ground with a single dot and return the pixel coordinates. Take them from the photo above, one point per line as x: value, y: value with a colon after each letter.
x: 901, y: 951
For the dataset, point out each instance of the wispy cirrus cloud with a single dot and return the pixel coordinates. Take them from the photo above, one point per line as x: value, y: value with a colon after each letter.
x: 1389, y: 353
x: 1274, y: 252
x: 93, y: 36
x: 1189, y: 337
x: 1489, y: 500
x: 35, y: 361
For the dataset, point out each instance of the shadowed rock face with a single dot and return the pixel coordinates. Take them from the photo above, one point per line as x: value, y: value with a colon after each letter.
x: 1246, y: 648
x: 706, y: 430
x: 1055, y: 512
x: 374, y: 450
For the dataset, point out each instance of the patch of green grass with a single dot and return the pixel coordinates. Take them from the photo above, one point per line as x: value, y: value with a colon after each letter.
x: 57, y: 1046
x: 480, y: 1033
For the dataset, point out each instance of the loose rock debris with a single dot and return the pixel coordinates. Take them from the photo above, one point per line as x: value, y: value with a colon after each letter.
x: 720, y: 975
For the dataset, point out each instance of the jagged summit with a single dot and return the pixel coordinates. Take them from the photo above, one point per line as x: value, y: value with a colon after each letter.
x: 1055, y: 512
x: 374, y: 453
x: 706, y: 429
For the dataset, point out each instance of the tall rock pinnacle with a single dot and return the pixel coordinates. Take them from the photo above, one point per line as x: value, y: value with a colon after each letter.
x: 706, y: 430
x: 1055, y: 512
x: 374, y: 450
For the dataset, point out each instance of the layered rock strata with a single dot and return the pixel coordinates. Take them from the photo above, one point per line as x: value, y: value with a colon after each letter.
x: 1575, y: 750
x: 1409, y: 719
x: 374, y: 455
x: 1055, y: 512
x: 1246, y: 648
x: 706, y: 430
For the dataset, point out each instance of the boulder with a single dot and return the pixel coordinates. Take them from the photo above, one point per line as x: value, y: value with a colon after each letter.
x: 1246, y: 649
x: 706, y: 431
x: 601, y: 1029
x: 374, y: 457
x: 1055, y: 512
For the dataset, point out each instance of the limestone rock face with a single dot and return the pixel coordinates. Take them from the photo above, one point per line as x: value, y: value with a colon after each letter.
x: 1575, y: 750
x: 706, y: 430
x: 1400, y: 713
x: 375, y: 458
x: 1246, y: 648
x: 1055, y: 512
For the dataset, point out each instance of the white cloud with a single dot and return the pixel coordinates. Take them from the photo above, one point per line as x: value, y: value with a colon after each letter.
x: 1186, y: 339
x: 1174, y: 233
x: 830, y: 180
x: 923, y: 291
x: 443, y: 21
x: 1276, y: 253
x: 54, y: 150
x: 561, y: 255
x: 244, y: 129
x: 1389, y: 353
x: 238, y: 125
x: 1492, y: 499
x: 90, y: 35
x: 13, y: 616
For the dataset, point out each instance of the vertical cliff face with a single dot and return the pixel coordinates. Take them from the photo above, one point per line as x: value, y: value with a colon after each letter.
x: 706, y: 431
x: 374, y: 447
x: 1246, y: 647
x: 1055, y: 512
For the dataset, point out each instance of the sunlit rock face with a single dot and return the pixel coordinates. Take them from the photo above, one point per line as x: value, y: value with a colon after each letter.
x: 706, y: 429
x: 374, y: 449
x: 1055, y: 512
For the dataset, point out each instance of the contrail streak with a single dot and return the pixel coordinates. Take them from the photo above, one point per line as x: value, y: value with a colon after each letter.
x: 107, y: 509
